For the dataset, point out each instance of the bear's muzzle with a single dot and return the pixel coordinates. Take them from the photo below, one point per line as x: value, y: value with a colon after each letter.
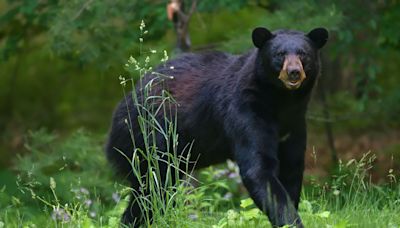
x: 292, y: 73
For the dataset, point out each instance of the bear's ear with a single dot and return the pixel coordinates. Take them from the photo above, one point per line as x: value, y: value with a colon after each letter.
x: 261, y: 35
x: 319, y: 36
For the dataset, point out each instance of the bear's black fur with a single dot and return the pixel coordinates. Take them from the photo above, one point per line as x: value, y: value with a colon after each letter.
x: 249, y: 107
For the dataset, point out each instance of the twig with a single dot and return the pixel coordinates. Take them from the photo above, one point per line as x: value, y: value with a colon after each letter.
x: 192, y: 8
x: 82, y: 9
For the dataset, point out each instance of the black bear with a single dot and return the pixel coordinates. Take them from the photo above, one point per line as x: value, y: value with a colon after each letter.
x: 248, y: 107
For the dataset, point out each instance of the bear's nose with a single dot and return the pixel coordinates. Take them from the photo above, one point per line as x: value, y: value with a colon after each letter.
x: 293, y: 74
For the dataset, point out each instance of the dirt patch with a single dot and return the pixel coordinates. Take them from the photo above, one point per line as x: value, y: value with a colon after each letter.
x: 385, y: 145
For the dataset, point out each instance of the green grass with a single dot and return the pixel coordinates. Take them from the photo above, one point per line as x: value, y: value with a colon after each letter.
x: 59, y: 176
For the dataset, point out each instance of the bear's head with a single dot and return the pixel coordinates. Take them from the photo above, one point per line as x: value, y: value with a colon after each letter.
x: 289, y: 58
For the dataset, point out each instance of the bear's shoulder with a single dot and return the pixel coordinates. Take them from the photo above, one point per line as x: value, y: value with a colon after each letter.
x: 206, y: 59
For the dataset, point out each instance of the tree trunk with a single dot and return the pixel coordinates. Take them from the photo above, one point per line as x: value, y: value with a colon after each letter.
x: 177, y: 13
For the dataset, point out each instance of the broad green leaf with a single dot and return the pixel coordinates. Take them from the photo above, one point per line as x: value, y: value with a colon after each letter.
x: 250, y: 214
x: 246, y: 202
x: 324, y: 214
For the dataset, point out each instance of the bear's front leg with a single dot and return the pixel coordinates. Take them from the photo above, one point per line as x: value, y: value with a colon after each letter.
x: 256, y: 152
x: 291, y: 159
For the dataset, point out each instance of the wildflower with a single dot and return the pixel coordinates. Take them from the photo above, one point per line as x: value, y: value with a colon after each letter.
x: 116, y: 197
x: 228, y: 196
x: 336, y: 192
x: 122, y: 79
x: 142, y: 25
x: 233, y: 175
x: 220, y: 173
x: 132, y: 60
x: 92, y: 214
x: 60, y: 214
x: 165, y: 58
x: 193, y: 217
x: 52, y: 183
x: 84, y: 191
x: 88, y: 202
x: 231, y: 165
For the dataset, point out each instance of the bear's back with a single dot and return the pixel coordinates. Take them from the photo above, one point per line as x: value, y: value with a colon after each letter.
x: 203, y: 65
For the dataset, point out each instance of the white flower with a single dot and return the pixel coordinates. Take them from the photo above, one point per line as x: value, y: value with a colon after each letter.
x: 132, y: 60
x: 165, y: 58
x: 142, y: 25
x: 336, y: 192
x: 116, y: 197
x: 92, y: 214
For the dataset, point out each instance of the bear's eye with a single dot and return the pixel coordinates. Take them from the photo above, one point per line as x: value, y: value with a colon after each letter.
x: 301, y: 53
x: 280, y: 54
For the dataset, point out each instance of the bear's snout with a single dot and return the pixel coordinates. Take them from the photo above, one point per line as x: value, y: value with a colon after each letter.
x: 292, y: 73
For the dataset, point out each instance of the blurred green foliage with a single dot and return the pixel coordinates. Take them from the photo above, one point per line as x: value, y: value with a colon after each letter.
x: 58, y: 171
x: 60, y: 60
x: 73, y: 163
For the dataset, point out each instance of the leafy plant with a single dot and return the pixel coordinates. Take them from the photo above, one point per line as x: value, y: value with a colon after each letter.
x: 65, y: 176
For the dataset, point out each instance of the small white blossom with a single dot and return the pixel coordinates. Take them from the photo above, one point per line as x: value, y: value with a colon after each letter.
x: 84, y: 191
x: 116, y: 197
x: 165, y: 58
x: 52, y: 183
x: 122, y: 80
x: 142, y: 25
x: 336, y: 192
x: 132, y: 60
x: 92, y: 214
x: 88, y: 202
